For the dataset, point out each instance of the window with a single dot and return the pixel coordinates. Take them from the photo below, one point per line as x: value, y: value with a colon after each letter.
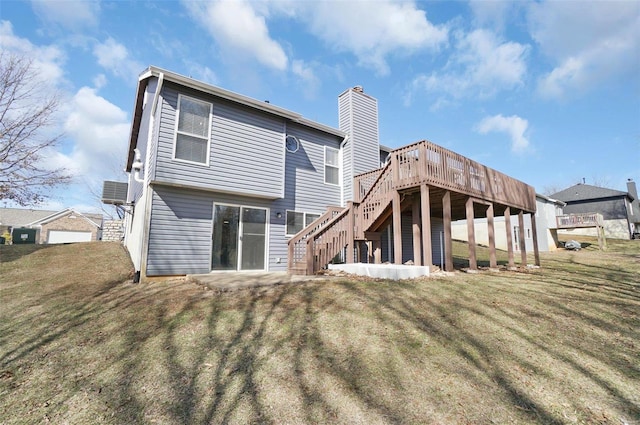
x: 297, y: 221
x: 331, y: 166
x: 192, y: 133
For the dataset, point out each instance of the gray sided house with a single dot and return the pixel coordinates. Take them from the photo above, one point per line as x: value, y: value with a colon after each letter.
x: 222, y: 182
x: 226, y: 180
x: 619, y: 209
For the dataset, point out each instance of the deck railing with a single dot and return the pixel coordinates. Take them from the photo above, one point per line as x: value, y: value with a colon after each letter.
x: 298, y: 243
x: 330, y: 240
x: 571, y: 221
x: 425, y: 162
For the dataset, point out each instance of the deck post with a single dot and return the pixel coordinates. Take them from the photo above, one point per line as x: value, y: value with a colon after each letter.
x: 446, y: 218
x: 350, y: 238
x: 534, y: 230
x: 507, y: 224
x: 471, y: 235
x: 523, y: 245
x: 310, y: 256
x: 493, y: 262
x: 425, y: 213
x: 397, y: 228
x: 415, y: 225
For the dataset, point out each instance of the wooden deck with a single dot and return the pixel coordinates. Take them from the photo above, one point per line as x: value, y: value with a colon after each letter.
x: 428, y: 179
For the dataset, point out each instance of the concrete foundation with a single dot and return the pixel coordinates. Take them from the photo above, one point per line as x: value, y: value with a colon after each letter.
x: 382, y: 271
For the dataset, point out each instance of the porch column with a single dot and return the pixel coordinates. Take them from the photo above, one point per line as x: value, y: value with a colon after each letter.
x: 446, y: 218
x: 415, y: 226
x: 507, y: 223
x: 397, y: 228
x: 534, y: 230
x: 471, y: 235
x: 493, y: 262
x: 523, y: 246
x: 425, y: 212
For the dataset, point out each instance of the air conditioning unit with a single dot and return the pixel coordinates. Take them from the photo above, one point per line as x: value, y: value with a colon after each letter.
x: 114, y: 193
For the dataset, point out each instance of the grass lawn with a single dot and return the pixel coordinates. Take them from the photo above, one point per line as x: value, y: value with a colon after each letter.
x: 81, y: 344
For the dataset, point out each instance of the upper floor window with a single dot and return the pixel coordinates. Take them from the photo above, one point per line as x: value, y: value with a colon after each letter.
x: 331, y: 165
x: 192, y: 130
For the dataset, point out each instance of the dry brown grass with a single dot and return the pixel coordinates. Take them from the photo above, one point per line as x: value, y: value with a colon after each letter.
x: 81, y: 344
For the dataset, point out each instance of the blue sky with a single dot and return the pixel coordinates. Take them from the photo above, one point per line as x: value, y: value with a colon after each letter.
x: 547, y: 92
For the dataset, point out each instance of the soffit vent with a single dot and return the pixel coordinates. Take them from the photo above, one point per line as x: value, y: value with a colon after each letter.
x: 114, y: 193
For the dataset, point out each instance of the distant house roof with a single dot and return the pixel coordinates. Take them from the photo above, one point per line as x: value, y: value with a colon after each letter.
x: 95, y: 219
x: 16, y: 217
x: 551, y: 200
x: 584, y: 192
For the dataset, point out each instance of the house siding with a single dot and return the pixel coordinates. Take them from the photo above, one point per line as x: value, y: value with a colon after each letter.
x: 305, y: 189
x: 182, y: 219
x: 246, y: 152
x: 358, y: 117
x: 437, y: 228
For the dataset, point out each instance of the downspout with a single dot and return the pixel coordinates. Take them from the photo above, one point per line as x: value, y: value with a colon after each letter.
x: 341, y: 153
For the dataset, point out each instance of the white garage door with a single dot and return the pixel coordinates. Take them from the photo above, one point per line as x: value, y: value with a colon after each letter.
x: 64, y: 236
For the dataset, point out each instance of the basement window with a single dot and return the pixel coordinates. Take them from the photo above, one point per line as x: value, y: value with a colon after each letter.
x: 296, y: 221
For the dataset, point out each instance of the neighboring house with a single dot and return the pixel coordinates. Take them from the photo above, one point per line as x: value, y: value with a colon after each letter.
x: 620, y: 210
x: 547, y: 209
x: 53, y: 227
x: 222, y: 182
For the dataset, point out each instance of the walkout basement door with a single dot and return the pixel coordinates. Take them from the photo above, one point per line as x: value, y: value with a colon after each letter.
x: 239, y: 238
x: 67, y: 236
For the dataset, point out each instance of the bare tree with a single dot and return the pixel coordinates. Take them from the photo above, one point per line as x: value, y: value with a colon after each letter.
x: 26, y: 113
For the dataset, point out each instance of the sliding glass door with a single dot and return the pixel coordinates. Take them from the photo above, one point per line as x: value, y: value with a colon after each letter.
x: 239, y: 238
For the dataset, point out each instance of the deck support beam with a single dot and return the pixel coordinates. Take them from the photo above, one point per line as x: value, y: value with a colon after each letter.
x: 425, y: 212
x: 507, y: 224
x: 523, y: 245
x: 534, y: 230
x: 493, y: 262
x: 350, y: 234
x: 415, y: 227
x: 471, y: 235
x: 446, y: 218
x: 397, y: 228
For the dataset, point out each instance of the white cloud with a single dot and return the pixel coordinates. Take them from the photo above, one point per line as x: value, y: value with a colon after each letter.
x: 114, y: 57
x: 200, y: 72
x: 590, y: 42
x: 47, y: 61
x: 99, y: 130
x: 514, y: 126
x: 492, y: 13
x: 481, y: 66
x: 308, y: 78
x: 239, y: 29
x: 371, y: 31
x: 72, y: 14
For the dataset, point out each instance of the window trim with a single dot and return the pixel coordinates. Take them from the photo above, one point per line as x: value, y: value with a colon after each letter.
x: 176, y: 131
x: 304, y: 220
x: 324, y: 170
